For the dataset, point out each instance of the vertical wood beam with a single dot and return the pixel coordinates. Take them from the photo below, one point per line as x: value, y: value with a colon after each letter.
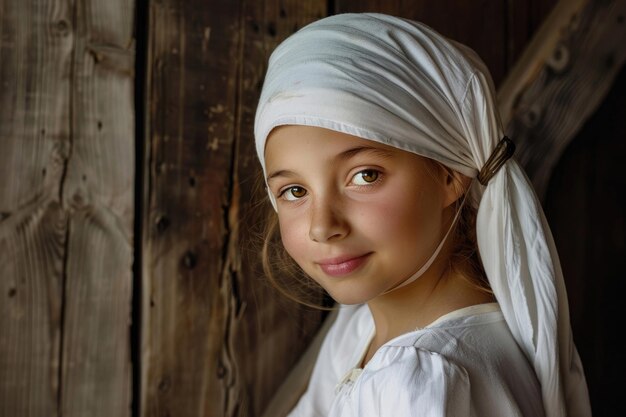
x: 66, y: 122
x: 35, y: 57
x: 187, y: 297
x: 98, y: 192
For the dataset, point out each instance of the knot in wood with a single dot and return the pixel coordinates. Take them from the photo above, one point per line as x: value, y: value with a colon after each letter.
x: 559, y: 59
x: 190, y: 260
x: 164, y: 385
x: 532, y: 116
x: 62, y: 27
x: 162, y: 223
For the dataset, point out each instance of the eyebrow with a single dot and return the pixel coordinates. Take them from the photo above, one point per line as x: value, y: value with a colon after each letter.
x: 281, y: 173
x: 351, y: 153
x: 343, y: 156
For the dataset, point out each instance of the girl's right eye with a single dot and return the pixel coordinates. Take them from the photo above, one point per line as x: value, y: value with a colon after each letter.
x: 292, y: 193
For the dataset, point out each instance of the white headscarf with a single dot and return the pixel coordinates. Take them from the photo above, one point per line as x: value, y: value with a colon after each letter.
x: 399, y: 82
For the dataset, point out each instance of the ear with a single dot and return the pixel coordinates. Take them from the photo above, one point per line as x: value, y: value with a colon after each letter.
x: 455, y: 185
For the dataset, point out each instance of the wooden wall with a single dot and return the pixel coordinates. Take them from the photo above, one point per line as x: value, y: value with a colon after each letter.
x: 128, y: 214
x: 66, y: 202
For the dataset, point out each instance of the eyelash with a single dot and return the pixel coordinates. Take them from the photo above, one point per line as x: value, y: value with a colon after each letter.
x: 370, y: 171
x: 281, y: 193
x: 284, y: 191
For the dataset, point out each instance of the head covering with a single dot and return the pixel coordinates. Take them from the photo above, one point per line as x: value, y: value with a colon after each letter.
x: 398, y: 82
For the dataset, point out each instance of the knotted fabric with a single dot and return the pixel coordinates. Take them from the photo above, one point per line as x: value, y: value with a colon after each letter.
x: 400, y: 83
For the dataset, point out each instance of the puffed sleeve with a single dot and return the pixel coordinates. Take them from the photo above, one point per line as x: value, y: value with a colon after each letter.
x: 412, y: 382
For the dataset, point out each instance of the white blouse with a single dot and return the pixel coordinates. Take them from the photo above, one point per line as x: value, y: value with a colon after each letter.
x: 466, y: 363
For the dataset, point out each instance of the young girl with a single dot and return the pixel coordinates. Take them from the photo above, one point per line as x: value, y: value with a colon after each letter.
x: 385, y: 161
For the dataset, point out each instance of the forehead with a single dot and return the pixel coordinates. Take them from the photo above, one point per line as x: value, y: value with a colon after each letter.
x: 284, y: 141
x: 294, y: 149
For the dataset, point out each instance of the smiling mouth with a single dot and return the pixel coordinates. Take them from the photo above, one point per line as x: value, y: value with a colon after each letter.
x: 343, y: 266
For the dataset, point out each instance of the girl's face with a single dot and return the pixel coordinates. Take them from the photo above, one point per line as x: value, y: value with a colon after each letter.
x: 359, y: 217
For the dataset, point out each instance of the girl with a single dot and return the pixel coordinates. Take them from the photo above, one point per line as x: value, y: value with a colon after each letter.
x: 385, y: 161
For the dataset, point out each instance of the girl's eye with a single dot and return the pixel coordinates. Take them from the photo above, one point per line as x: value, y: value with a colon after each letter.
x: 293, y: 193
x: 365, y: 177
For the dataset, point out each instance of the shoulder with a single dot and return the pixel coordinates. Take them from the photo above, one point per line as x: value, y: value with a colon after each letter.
x: 453, y: 367
x: 410, y: 366
x: 483, y: 345
x: 481, y: 338
x: 408, y: 378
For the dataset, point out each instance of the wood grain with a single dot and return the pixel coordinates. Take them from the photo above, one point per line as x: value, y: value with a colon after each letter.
x: 98, y: 191
x: 553, y: 97
x: 66, y: 199
x: 187, y: 305
x: 35, y: 55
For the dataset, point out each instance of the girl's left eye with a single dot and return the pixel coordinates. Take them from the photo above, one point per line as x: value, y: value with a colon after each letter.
x: 365, y: 177
x: 292, y: 193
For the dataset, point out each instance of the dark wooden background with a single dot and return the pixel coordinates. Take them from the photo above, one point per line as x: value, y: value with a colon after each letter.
x: 129, y: 218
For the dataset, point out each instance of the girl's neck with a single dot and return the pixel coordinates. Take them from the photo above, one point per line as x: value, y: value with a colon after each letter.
x: 419, y: 304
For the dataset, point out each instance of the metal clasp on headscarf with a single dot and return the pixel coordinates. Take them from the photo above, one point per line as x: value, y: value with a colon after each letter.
x: 499, y: 156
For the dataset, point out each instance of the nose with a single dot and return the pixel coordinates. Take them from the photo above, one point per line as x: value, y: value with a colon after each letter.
x: 327, y: 221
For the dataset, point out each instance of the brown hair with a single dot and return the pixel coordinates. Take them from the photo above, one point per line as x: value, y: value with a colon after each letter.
x: 289, y: 279
x: 284, y: 273
x: 464, y: 256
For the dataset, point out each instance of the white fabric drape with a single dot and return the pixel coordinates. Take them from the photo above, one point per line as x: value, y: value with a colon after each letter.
x: 398, y: 82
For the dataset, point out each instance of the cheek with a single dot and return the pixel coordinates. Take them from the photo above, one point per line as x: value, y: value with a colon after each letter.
x: 293, y: 235
x: 403, y: 222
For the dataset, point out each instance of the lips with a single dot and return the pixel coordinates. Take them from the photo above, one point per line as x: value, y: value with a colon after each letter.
x: 343, y: 265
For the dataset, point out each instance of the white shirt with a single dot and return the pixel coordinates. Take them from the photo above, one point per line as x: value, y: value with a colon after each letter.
x: 466, y: 363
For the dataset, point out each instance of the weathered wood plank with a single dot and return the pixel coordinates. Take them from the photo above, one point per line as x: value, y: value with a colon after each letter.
x: 35, y: 55
x: 272, y: 333
x: 67, y: 204
x: 32, y: 245
x: 188, y: 301
x: 98, y: 192
x: 552, y: 91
